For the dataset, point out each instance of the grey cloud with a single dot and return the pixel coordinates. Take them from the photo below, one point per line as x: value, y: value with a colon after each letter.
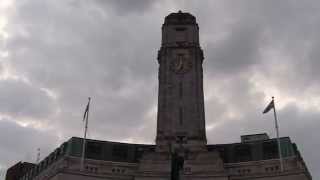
x: 125, y: 7
x: 1, y: 68
x: 90, y: 51
x: 95, y: 59
x: 290, y: 29
x: 238, y: 52
x: 112, y: 116
x: 20, y: 143
x: 236, y: 108
x: 312, y: 69
x: 18, y: 99
x: 302, y: 126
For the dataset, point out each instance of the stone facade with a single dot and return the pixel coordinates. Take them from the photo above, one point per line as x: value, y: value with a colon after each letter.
x: 18, y: 170
x: 180, y: 102
x: 181, y: 150
x: 105, y: 160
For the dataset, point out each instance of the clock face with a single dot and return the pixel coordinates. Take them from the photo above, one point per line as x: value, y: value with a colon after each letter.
x: 181, y: 64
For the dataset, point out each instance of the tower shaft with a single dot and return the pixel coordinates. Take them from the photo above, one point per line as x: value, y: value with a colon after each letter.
x: 181, y: 118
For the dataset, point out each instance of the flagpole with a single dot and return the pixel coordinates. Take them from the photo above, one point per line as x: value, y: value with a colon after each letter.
x: 38, y: 156
x: 85, y: 136
x: 277, y: 132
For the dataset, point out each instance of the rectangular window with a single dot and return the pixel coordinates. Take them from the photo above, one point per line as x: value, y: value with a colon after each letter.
x: 243, y: 153
x: 181, y: 28
x: 94, y: 150
x: 120, y: 152
x: 270, y: 150
x: 181, y: 36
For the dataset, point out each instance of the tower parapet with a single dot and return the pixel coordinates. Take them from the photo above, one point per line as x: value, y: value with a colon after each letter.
x: 180, y: 29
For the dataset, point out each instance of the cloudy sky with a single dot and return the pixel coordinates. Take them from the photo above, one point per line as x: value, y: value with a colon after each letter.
x: 56, y: 53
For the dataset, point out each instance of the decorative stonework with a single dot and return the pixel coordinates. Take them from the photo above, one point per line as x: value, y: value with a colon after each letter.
x: 181, y: 64
x: 180, y: 103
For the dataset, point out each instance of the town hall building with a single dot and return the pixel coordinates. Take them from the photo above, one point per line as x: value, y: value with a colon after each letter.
x: 181, y: 150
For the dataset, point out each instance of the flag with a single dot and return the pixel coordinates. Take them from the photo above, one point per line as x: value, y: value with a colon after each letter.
x: 269, y: 107
x: 86, y: 111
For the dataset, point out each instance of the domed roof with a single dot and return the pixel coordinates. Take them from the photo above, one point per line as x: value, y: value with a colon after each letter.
x: 180, y: 18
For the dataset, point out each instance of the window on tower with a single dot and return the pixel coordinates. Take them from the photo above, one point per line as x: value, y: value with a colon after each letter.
x: 180, y: 28
x: 181, y: 34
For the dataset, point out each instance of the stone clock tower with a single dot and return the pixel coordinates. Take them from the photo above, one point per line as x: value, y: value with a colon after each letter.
x: 181, y: 119
x: 181, y: 145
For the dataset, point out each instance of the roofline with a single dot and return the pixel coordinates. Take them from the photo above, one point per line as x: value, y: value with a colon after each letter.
x: 250, y: 142
x: 115, y: 142
x: 255, y: 134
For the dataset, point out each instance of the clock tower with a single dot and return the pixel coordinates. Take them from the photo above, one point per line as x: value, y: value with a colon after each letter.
x: 181, y: 118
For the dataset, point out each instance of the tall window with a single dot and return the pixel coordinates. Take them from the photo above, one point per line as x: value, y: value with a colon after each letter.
x: 243, y: 153
x: 270, y: 150
x: 94, y: 150
x: 120, y: 152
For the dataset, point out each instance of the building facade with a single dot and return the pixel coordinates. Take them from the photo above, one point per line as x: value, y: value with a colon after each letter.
x: 181, y: 150
x: 18, y: 170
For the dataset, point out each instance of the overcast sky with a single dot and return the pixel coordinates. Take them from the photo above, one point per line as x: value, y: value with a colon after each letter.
x: 56, y: 53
